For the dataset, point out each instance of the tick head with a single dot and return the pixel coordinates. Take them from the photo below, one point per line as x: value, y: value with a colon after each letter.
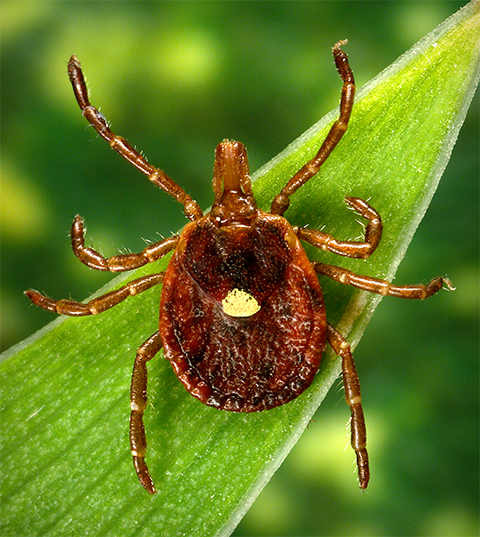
x: 234, y: 202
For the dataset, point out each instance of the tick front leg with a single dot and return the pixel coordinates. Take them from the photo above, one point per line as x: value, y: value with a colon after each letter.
x: 122, y: 147
x: 354, y: 401
x: 382, y: 287
x: 116, y: 263
x: 138, y: 403
x: 96, y: 305
x: 362, y: 250
x: 310, y: 169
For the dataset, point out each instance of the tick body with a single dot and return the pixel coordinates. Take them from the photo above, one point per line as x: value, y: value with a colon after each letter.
x: 244, y: 362
x: 242, y: 318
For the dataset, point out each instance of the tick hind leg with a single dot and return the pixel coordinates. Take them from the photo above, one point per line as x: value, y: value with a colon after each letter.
x: 354, y: 400
x: 138, y: 403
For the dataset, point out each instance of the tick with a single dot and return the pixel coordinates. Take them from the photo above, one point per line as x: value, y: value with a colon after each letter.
x: 242, y: 317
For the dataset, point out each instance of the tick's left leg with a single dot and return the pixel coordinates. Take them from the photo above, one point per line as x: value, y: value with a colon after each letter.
x: 122, y: 147
x: 117, y: 263
x: 96, y: 305
x: 382, y: 287
x: 138, y: 403
x: 354, y: 401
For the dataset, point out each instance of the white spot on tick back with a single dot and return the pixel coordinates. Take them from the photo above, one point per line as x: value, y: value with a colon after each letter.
x: 239, y: 303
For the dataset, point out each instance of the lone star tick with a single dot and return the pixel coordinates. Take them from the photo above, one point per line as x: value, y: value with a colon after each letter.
x: 242, y: 317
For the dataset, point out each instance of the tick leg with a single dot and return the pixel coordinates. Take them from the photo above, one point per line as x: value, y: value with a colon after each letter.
x: 310, y: 169
x: 123, y: 148
x: 382, y: 287
x: 96, y: 305
x: 116, y: 263
x: 138, y: 403
x: 354, y: 401
x: 362, y: 250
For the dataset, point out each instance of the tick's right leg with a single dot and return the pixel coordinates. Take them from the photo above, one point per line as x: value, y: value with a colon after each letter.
x: 353, y: 397
x: 363, y: 249
x: 311, y: 168
x: 138, y: 403
x: 382, y: 287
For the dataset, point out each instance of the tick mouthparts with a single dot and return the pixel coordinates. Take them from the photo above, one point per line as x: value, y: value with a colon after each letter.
x: 231, y: 167
x: 234, y: 202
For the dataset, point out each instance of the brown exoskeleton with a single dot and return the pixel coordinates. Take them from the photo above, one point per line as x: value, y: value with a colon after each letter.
x: 242, y: 317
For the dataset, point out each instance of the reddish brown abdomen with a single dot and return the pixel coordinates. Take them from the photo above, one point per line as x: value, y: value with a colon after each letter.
x: 242, y: 364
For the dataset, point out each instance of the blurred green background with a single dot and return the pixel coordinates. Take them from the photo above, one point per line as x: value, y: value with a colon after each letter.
x: 176, y: 78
